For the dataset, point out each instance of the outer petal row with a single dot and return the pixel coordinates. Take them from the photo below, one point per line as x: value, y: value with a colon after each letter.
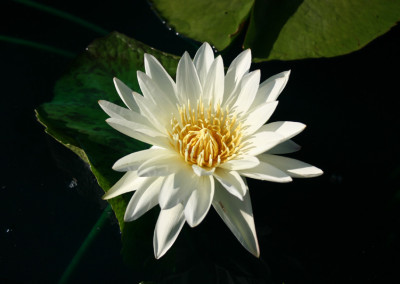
x: 270, y: 135
x: 291, y: 167
x: 145, y: 198
x: 271, y: 88
x: 160, y: 77
x: 239, y: 66
x: 169, y: 224
x: 125, y: 94
x: 238, y: 216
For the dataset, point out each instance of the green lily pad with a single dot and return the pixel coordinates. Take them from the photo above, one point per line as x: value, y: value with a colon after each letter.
x: 283, y: 29
x: 288, y: 30
x: 217, y: 22
x: 75, y: 119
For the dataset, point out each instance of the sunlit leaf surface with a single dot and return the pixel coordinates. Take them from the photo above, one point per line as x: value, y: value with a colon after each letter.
x: 284, y: 29
x: 288, y: 29
x: 217, y: 22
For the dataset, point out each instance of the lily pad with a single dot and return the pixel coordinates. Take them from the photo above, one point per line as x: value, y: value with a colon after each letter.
x: 283, y: 29
x: 217, y: 22
x: 289, y: 30
x: 75, y: 119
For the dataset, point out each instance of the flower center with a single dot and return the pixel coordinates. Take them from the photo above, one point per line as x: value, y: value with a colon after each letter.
x: 206, y: 137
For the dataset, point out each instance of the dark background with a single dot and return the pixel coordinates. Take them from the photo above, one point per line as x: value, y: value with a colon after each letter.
x: 343, y: 227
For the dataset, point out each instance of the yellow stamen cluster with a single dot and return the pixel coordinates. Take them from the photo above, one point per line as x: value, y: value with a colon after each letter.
x: 206, y: 137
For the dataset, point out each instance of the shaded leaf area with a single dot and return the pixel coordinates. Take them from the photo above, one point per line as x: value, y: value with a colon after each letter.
x: 217, y: 22
x: 74, y: 117
x: 284, y: 29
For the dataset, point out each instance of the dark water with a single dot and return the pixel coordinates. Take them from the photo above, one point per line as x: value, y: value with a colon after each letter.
x: 343, y: 227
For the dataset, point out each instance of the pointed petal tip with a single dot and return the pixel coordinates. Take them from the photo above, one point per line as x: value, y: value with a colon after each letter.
x: 318, y: 172
x: 140, y: 74
x: 206, y: 45
x: 185, y: 54
x: 115, y: 166
x: 237, y: 195
x: 247, y: 51
x: 191, y: 223
x: 105, y: 196
x: 287, y: 180
x: 129, y: 218
x: 117, y: 82
x: 157, y: 254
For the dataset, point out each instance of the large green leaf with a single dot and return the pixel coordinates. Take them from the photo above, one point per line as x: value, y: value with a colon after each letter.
x: 75, y: 119
x: 284, y: 29
x: 217, y: 22
x: 296, y: 29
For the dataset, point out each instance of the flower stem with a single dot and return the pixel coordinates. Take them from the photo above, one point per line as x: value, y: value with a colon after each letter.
x: 36, y: 45
x: 64, y: 15
x: 85, y: 245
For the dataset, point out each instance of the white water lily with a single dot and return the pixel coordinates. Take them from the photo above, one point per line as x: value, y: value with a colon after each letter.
x: 208, y: 134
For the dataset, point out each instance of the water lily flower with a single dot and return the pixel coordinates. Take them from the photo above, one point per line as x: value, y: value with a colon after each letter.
x: 208, y: 134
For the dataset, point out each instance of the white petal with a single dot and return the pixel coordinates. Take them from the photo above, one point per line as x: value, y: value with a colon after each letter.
x: 265, y: 171
x: 160, y: 77
x: 151, y: 91
x: 202, y: 61
x: 260, y: 142
x: 139, y: 131
x: 270, y: 135
x: 161, y: 166
x: 125, y: 94
x: 238, y: 216
x: 292, y: 167
x: 199, y: 171
x: 248, y: 90
x: 128, y: 182
x: 116, y: 111
x: 214, y: 85
x: 287, y: 129
x: 200, y: 200
x: 285, y: 147
x: 151, y: 111
x: 257, y: 117
x: 241, y: 162
x: 187, y: 81
x: 169, y: 224
x: 270, y: 89
x: 177, y: 188
x: 145, y: 198
x: 133, y: 161
x: 239, y: 66
x: 232, y: 182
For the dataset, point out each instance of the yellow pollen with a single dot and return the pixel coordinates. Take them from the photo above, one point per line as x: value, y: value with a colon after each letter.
x: 206, y: 137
